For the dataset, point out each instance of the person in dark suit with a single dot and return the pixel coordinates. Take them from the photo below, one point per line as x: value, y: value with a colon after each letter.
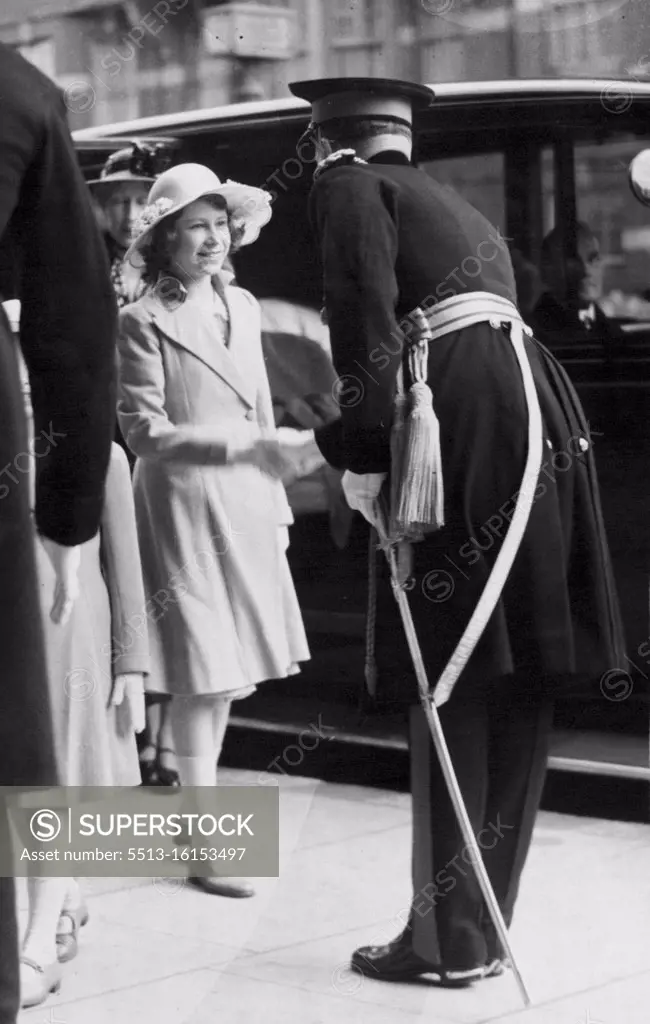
x: 568, y: 310
x: 54, y: 262
x: 393, y: 241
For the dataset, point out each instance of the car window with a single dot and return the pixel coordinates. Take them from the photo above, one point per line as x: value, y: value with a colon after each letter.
x: 594, y: 310
x: 620, y: 224
x: 523, y: 212
x: 479, y: 178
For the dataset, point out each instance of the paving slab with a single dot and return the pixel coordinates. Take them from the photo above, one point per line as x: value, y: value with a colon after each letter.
x: 161, y: 951
x: 623, y: 1002
x: 267, y: 1002
x: 172, y: 1000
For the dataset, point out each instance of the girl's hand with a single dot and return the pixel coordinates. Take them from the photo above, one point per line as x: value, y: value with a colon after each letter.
x: 264, y: 453
x: 301, y: 453
x: 129, y: 687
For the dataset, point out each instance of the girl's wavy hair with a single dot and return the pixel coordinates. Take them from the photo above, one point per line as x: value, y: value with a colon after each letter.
x: 154, y: 257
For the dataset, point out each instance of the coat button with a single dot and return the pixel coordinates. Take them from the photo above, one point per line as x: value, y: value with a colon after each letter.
x: 584, y: 444
x: 250, y: 415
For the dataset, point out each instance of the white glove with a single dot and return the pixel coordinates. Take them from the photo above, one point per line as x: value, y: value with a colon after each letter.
x: 129, y: 687
x: 65, y: 562
x: 284, y: 538
x: 361, y: 493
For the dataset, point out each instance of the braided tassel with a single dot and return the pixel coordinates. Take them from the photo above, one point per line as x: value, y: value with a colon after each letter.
x: 397, y: 438
x: 421, y: 499
x: 420, y: 495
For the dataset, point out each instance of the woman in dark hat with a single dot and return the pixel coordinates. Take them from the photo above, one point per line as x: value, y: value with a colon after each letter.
x: 121, y: 193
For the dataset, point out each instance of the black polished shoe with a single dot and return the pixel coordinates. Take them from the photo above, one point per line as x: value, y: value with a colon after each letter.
x: 398, y: 962
x: 236, y: 888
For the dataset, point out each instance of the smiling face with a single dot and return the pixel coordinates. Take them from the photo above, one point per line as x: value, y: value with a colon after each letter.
x: 122, y: 206
x: 200, y: 241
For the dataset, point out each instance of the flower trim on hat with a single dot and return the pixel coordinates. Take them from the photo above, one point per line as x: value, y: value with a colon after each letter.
x: 256, y: 203
x: 152, y: 213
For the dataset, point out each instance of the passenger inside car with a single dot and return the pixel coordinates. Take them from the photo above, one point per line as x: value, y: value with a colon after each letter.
x: 568, y: 310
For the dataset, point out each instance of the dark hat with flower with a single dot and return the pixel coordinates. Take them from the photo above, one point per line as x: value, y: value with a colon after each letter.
x: 138, y: 162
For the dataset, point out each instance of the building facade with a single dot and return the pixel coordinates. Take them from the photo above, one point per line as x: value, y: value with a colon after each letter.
x: 132, y: 58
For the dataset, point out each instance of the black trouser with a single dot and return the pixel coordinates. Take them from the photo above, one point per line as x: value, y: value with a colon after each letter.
x: 498, y: 747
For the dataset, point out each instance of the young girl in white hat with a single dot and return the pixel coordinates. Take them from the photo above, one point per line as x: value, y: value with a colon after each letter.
x: 195, y: 408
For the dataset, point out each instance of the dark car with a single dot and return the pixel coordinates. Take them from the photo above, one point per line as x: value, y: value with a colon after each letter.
x: 533, y: 156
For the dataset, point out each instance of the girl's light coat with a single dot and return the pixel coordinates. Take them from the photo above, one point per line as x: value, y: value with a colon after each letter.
x: 221, y: 608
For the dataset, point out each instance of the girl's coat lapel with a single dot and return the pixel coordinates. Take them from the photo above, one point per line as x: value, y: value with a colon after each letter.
x: 176, y: 320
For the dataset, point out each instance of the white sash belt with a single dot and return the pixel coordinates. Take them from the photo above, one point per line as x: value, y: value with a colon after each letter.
x: 453, y: 315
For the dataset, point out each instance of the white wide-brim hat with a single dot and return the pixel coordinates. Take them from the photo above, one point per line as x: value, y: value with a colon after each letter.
x: 185, y: 184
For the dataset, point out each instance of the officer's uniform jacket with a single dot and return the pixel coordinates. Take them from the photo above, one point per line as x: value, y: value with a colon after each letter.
x: 392, y: 239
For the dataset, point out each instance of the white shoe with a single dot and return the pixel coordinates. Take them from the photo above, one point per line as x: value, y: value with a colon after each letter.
x: 37, y: 982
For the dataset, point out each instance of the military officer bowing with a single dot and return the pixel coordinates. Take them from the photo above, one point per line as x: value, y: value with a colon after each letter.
x: 393, y: 241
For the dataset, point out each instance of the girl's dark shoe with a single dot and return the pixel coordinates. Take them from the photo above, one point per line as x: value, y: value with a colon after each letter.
x: 149, y: 772
x: 166, y: 776
x: 148, y: 766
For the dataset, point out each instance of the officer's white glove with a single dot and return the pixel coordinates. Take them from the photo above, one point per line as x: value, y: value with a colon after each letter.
x: 361, y: 493
x: 128, y: 687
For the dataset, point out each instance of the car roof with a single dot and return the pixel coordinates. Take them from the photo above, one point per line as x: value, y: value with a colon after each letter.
x: 609, y: 93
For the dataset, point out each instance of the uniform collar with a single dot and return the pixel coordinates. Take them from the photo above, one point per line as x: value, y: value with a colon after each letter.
x: 390, y: 156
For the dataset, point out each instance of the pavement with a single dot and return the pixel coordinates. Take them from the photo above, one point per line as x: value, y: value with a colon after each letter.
x: 158, y: 951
